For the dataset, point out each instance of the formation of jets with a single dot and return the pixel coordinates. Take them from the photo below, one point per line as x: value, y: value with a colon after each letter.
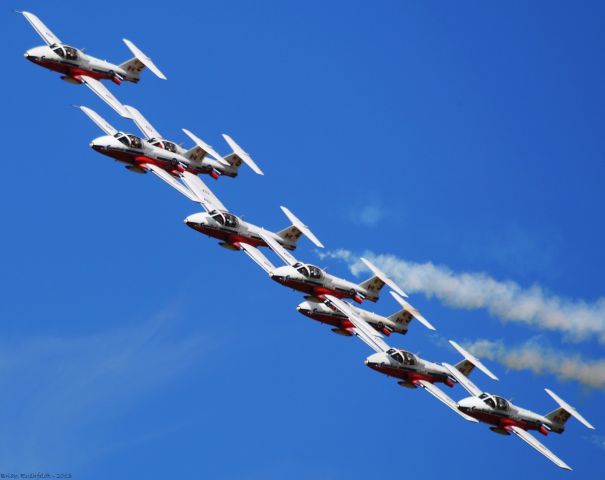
x: 325, y: 295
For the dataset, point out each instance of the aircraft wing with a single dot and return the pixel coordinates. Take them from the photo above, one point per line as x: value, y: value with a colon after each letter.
x: 533, y: 441
x: 412, y: 311
x: 170, y: 180
x: 444, y: 398
x: 256, y: 255
x: 469, y: 386
x: 363, y: 330
x: 104, y: 94
x: 281, y: 252
x: 383, y: 276
x: 204, y: 195
x: 48, y: 36
x: 142, y: 123
x: 247, y: 159
x: 205, y: 147
x: 99, y: 121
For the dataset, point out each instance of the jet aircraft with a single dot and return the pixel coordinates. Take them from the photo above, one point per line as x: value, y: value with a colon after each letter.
x: 142, y: 156
x: 314, y: 281
x: 398, y: 322
x: 411, y: 370
x: 78, y: 67
x: 231, y: 230
x: 507, y: 418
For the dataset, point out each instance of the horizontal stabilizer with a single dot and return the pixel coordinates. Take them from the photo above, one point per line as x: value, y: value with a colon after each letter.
x: 170, y: 180
x: 48, y: 36
x: 144, y: 59
x: 242, y: 154
x: 256, y: 255
x: 533, y: 442
x: 302, y: 227
x: 444, y: 398
x: 469, y: 386
x: 142, y: 123
x: 572, y: 411
x: 412, y: 311
x: 474, y: 360
x: 383, y: 276
x: 204, y: 146
x: 99, y: 121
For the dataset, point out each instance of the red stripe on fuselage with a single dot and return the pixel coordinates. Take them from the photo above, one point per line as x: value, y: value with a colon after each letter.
x: 407, y: 375
x: 71, y: 71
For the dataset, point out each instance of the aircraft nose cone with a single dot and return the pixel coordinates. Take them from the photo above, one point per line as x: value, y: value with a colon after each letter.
x: 465, y: 404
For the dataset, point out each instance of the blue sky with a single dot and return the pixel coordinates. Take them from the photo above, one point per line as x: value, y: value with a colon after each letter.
x: 466, y: 135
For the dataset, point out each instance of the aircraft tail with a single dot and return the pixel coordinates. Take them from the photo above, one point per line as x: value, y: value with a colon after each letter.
x: 135, y: 65
x: 559, y: 416
x: 291, y: 234
x: 466, y: 366
x: 239, y: 156
x: 372, y: 286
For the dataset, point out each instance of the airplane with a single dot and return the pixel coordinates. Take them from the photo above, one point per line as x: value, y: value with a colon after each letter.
x: 398, y: 322
x: 507, y: 418
x: 411, y: 370
x: 233, y: 161
x: 314, y: 281
x: 232, y: 231
x: 142, y: 156
x: 77, y: 67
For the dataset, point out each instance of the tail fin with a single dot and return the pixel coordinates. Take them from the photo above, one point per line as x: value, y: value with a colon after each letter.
x: 135, y: 65
x: 408, y: 313
x: 293, y: 233
x: 239, y: 156
x: 373, y: 285
x: 562, y: 414
x: 466, y: 366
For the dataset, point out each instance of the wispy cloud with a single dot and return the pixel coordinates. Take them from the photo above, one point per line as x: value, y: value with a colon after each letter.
x: 541, y: 360
x: 369, y: 215
x: 62, y: 394
x: 597, y: 441
x: 507, y: 300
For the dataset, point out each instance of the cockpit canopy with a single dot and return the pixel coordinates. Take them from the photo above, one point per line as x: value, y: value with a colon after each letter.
x: 309, y: 271
x: 165, y: 144
x: 66, y: 52
x: 224, y: 218
x: 129, y: 140
x: 401, y: 356
x: 493, y: 401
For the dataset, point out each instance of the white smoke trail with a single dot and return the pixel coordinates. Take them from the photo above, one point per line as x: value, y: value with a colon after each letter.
x: 541, y: 360
x: 507, y: 300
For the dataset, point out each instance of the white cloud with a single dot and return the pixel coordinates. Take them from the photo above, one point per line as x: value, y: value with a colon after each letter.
x: 369, y: 215
x: 507, y: 300
x: 541, y: 360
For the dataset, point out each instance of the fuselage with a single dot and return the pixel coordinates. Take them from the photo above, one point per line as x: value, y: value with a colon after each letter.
x: 408, y: 367
x: 502, y: 413
x: 316, y: 283
x: 232, y: 230
x: 135, y: 151
x: 72, y: 62
x: 324, y: 313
